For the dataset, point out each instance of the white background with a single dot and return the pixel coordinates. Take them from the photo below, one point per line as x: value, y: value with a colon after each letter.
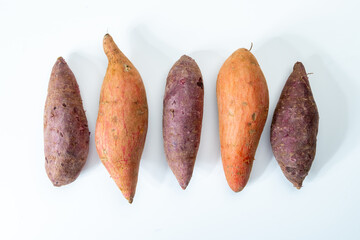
x: 323, y: 34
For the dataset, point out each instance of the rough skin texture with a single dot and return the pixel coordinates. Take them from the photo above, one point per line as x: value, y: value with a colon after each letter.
x: 66, y: 132
x: 122, y: 121
x: 243, y: 103
x: 182, y: 117
x: 295, y: 126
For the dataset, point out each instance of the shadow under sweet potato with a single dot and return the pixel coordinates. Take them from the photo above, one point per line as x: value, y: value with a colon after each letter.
x: 209, y: 151
x: 273, y: 57
x: 89, y: 75
x: 276, y: 57
x: 152, y: 59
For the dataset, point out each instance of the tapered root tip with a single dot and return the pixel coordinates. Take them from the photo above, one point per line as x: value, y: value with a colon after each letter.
x: 296, y: 182
x: 129, y: 197
x: 107, y: 39
x: 236, y: 189
x: 183, y: 182
x: 183, y: 186
x: 235, y: 183
x: 186, y: 58
x: 61, y: 59
x: 110, y: 48
x: 56, y: 184
x: 61, y: 182
x: 298, y: 66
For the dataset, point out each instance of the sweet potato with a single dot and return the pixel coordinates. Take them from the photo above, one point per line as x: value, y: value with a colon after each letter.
x: 182, y: 117
x: 243, y: 102
x: 122, y: 121
x: 294, y: 127
x: 66, y: 132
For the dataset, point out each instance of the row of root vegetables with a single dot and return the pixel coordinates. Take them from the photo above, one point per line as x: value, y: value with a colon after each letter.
x: 121, y: 127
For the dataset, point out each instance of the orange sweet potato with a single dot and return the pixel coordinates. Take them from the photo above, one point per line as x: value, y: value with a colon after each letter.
x: 122, y: 121
x: 243, y: 102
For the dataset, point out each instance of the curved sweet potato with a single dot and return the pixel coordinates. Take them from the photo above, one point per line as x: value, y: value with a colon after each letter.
x: 122, y: 121
x: 66, y: 132
x: 295, y: 126
x: 182, y: 117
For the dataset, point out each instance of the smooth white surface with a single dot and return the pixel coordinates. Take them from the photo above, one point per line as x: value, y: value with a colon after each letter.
x: 324, y: 35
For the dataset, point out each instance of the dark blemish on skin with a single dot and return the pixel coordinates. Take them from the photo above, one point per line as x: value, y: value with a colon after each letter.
x: 62, y: 164
x: 249, y: 124
x: 200, y: 83
x: 64, y: 104
x: 253, y: 63
x: 136, y: 102
x: 54, y: 108
x: 174, y: 102
x: 61, y: 134
x: 46, y: 159
x: 253, y: 116
x: 173, y: 112
x: 126, y: 67
x: 75, y: 111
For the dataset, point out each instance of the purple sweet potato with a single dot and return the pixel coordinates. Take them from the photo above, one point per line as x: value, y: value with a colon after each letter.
x: 182, y: 117
x: 295, y: 126
x: 66, y: 132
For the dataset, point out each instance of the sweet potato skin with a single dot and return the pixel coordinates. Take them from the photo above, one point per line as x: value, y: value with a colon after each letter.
x: 295, y: 126
x: 122, y: 121
x: 182, y: 117
x: 66, y: 132
x: 243, y: 103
